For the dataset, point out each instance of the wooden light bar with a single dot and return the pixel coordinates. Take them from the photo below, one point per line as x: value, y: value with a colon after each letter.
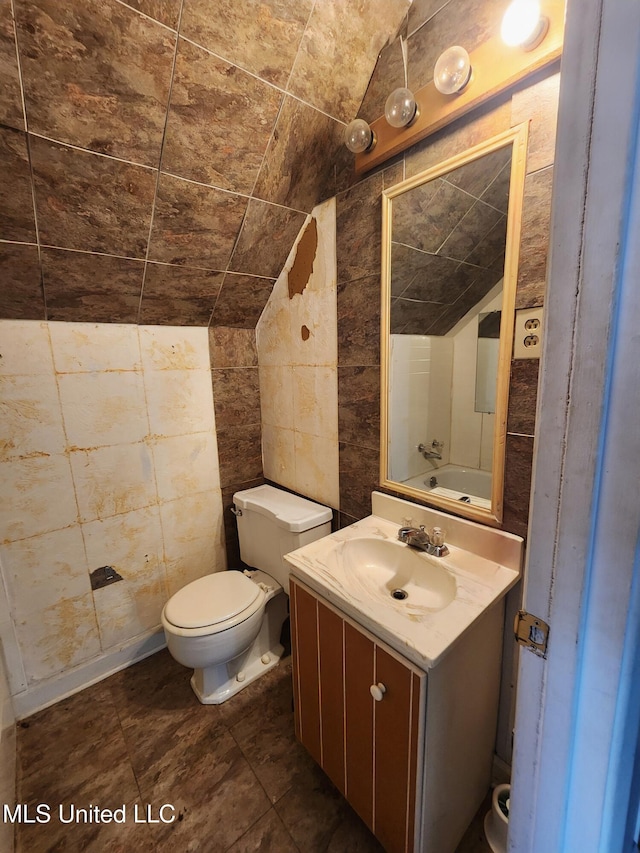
x: 495, y: 68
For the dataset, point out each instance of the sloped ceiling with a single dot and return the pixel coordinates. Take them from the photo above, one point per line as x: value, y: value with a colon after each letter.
x: 160, y: 156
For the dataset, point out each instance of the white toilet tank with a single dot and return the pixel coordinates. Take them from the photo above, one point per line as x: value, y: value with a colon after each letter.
x: 272, y: 522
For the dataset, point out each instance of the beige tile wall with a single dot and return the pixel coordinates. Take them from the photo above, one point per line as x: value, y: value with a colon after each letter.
x: 108, y: 456
x: 298, y: 355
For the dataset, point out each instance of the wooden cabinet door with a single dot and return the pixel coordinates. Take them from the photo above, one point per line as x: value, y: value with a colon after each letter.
x: 359, y: 673
x: 332, y: 716
x: 318, y: 679
x: 368, y: 748
x: 306, y: 670
x: 396, y: 723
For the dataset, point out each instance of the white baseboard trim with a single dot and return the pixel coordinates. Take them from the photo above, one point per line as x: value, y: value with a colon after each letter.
x: 42, y: 695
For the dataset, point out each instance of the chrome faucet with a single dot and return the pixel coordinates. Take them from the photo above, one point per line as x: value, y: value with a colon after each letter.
x: 435, y: 452
x: 417, y: 537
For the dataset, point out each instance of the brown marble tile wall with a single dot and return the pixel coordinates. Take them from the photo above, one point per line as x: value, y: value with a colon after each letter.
x: 236, y: 396
x: 433, y: 25
x: 183, y: 140
x: 358, y: 259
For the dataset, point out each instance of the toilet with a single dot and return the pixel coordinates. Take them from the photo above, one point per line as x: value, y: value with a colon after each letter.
x: 227, y: 625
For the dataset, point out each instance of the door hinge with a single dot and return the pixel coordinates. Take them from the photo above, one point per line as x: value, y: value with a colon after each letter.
x: 531, y: 632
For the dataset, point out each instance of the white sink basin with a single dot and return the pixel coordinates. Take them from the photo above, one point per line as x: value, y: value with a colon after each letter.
x: 396, y: 572
x: 358, y: 568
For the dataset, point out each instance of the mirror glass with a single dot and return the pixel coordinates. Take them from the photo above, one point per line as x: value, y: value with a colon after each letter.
x: 450, y: 245
x: 487, y: 361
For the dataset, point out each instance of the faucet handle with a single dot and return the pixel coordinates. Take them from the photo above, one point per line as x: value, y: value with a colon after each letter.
x: 437, y: 535
x: 403, y: 533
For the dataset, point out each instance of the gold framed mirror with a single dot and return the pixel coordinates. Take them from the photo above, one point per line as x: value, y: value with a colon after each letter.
x: 450, y: 245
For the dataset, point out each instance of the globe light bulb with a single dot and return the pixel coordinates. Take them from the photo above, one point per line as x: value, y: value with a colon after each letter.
x: 522, y: 24
x: 358, y: 136
x: 452, y: 71
x: 401, y: 108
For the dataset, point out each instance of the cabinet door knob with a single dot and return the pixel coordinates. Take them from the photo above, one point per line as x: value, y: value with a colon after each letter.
x: 377, y: 691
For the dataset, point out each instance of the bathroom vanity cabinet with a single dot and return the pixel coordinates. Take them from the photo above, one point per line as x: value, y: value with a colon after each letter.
x: 410, y: 750
x: 369, y: 747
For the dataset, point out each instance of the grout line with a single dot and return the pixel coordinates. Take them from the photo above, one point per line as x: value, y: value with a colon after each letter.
x: 147, y: 17
x: 304, y: 32
x: 91, y: 151
x: 161, y: 155
x: 429, y: 19
x: 114, y: 698
x: 284, y: 91
x: 157, y: 169
x: 29, y: 157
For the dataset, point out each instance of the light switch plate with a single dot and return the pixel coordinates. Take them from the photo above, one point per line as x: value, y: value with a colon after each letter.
x: 528, y: 333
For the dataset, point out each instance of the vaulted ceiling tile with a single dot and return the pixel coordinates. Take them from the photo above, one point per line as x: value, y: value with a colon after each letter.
x: 241, y: 301
x: 179, y: 296
x: 85, y: 287
x: 261, y: 37
x: 325, y: 73
x: 195, y: 225
x: 299, y: 167
x: 11, y: 112
x: 220, y: 121
x: 96, y: 74
x: 90, y: 202
x: 21, y: 292
x: 16, y: 198
x: 268, y: 232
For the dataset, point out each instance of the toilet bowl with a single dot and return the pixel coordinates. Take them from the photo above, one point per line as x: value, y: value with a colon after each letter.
x: 219, y: 626
x: 227, y: 625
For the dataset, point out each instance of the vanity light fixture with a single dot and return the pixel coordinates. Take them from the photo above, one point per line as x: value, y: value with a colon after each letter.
x: 401, y: 108
x: 463, y: 81
x: 452, y: 71
x: 523, y: 25
x: 358, y: 136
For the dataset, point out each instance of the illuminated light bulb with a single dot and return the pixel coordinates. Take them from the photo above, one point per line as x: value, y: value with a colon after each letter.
x: 522, y: 24
x: 358, y: 136
x: 401, y: 108
x: 452, y: 71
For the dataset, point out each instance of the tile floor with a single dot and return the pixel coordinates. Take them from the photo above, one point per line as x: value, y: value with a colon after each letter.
x: 234, y: 773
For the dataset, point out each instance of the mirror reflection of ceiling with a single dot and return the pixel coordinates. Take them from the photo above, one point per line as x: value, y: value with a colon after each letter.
x: 448, y: 245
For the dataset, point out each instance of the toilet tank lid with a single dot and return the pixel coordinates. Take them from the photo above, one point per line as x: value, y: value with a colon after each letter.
x: 289, y: 511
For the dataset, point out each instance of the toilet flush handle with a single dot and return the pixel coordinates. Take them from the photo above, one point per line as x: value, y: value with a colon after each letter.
x: 235, y: 511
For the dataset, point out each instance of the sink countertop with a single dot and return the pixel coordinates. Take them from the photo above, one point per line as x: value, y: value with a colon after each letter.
x: 422, y: 636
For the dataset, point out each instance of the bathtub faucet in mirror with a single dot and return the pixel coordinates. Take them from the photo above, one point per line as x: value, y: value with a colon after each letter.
x: 435, y: 450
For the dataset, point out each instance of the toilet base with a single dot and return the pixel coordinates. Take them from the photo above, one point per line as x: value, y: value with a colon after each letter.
x: 215, y: 684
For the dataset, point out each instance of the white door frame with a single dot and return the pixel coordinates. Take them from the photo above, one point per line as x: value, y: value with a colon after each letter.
x: 585, y: 512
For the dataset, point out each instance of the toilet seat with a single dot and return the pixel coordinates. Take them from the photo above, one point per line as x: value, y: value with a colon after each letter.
x: 213, y: 604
